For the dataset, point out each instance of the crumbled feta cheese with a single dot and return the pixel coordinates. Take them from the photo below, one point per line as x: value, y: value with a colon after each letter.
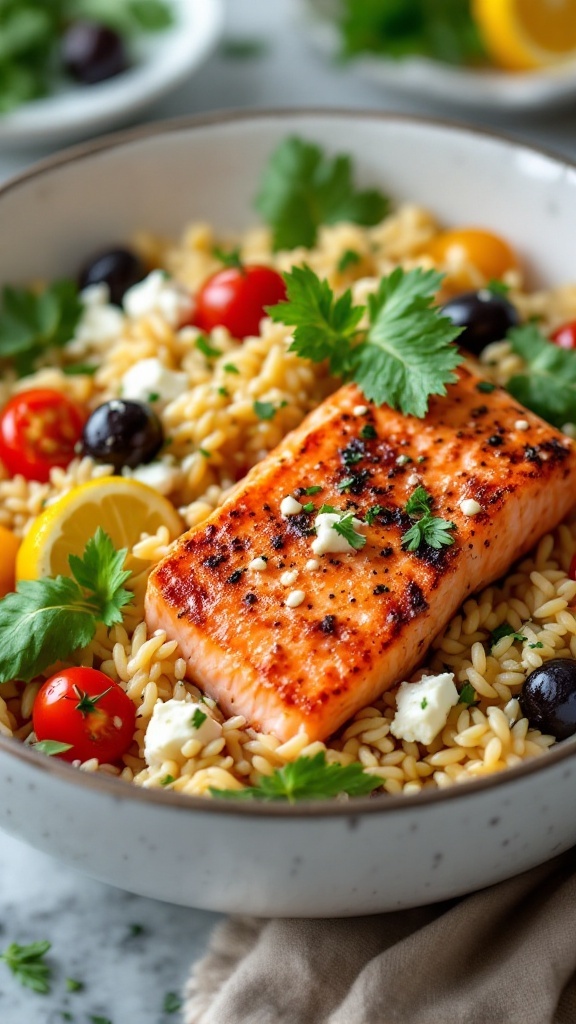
x: 289, y: 506
x: 163, y: 477
x: 158, y: 294
x: 149, y: 377
x: 295, y: 598
x: 522, y: 425
x: 422, y: 708
x: 312, y: 564
x: 172, y: 725
x: 100, y: 321
x: 470, y: 507
x: 360, y: 410
x: 413, y: 480
x: 258, y: 564
x: 328, y: 540
x: 403, y: 460
x: 288, y: 578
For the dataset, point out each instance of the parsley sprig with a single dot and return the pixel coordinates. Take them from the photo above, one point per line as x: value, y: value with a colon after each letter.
x: 32, y: 322
x: 45, y: 620
x: 426, y: 528
x: 303, y: 188
x: 441, y: 29
x: 307, y: 778
x: 402, y: 357
x: 345, y: 527
x: 548, y: 387
x: 28, y: 966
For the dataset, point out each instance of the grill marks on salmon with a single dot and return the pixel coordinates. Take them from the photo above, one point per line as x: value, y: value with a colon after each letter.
x: 368, y: 617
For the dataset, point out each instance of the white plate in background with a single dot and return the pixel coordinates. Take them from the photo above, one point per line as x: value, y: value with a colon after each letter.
x: 164, y: 60
x: 487, y: 89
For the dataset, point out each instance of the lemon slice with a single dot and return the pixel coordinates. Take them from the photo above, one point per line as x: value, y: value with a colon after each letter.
x: 124, y: 508
x: 525, y: 35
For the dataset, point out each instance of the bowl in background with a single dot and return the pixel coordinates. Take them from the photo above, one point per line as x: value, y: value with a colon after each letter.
x: 322, y: 858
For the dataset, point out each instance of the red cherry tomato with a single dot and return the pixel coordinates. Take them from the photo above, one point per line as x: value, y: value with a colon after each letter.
x: 565, y: 336
x: 38, y: 431
x: 235, y: 298
x: 86, y: 708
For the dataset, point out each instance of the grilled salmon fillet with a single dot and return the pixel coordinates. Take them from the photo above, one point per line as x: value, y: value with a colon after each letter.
x: 366, y: 617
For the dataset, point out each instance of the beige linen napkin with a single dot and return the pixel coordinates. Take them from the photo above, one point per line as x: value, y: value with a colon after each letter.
x: 506, y: 955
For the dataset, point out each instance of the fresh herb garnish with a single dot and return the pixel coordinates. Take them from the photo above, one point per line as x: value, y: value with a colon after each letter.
x: 27, y: 965
x: 31, y: 323
x: 427, y: 529
x: 47, y: 619
x: 345, y: 484
x: 243, y: 48
x: 80, y: 369
x: 303, y: 188
x: 230, y: 258
x: 372, y: 513
x: 505, y: 629
x: 99, y: 1020
x: 498, y: 287
x: 548, y: 387
x: 441, y: 29
x: 230, y: 368
x: 468, y: 696
x: 485, y: 387
x: 264, y: 410
x: 51, y: 747
x: 368, y: 432
x: 172, y: 1003
x: 315, y: 489
x: 204, y: 452
x: 307, y: 778
x: 424, y: 703
x: 167, y: 780
x: 206, y: 348
x: 136, y: 930
x: 198, y: 718
x: 537, y: 646
x: 73, y: 985
x: 349, y: 258
x: 153, y: 396
x: 405, y: 355
x: 345, y: 527
x: 308, y: 507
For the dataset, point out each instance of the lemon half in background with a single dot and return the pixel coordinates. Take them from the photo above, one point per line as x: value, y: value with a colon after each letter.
x: 124, y: 508
x: 527, y: 35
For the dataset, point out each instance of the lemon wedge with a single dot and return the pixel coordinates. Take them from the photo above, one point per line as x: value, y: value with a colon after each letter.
x: 9, y: 544
x: 527, y: 35
x: 124, y: 508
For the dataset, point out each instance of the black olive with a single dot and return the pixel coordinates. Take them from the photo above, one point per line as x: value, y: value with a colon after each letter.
x: 548, y: 698
x: 91, y: 52
x: 485, y: 317
x: 120, y: 269
x: 124, y: 433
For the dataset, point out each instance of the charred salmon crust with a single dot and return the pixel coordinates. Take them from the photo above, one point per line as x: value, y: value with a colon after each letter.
x: 366, y: 617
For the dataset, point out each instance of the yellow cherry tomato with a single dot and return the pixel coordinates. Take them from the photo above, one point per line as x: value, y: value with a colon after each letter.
x: 9, y: 544
x: 472, y: 256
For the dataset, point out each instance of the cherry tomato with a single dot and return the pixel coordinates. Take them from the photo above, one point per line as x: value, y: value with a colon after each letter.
x: 86, y: 708
x: 38, y: 431
x: 565, y: 336
x: 235, y: 298
x: 487, y: 252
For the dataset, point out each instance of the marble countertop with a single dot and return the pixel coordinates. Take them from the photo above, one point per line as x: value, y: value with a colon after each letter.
x: 129, y: 951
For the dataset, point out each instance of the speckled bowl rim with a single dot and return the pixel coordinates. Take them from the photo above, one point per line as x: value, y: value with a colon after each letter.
x: 378, y: 804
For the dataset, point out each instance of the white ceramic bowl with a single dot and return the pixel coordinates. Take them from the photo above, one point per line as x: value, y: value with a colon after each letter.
x: 321, y: 859
x: 163, y: 61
